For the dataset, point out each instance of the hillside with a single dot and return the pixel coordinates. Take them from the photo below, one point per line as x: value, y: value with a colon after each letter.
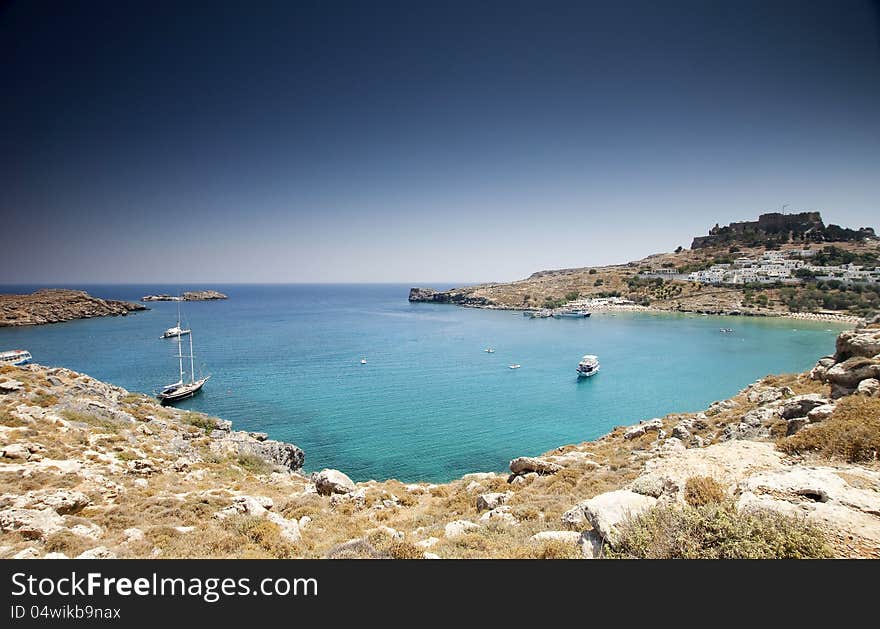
x: 785, y: 468
x: 673, y: 281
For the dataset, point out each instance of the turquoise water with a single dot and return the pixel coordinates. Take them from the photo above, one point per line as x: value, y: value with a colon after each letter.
x: 430, y: 404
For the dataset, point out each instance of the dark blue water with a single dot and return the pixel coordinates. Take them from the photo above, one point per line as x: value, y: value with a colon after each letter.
x: 430, y: 404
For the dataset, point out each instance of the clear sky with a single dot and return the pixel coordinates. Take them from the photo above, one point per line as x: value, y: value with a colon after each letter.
x: 419, y: 142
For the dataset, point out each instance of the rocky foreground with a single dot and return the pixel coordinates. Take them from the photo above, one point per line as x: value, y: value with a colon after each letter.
x: 192, y: 295
x: 56, y: 305
x: 786, y: 468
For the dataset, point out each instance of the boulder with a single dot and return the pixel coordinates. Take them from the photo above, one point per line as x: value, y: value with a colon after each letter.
x: 428, y: 543
x: 430, y: 556
x: 643, y: 427
x: 499, y: 516
x: 31, y: 523
x: 61, y: 501
x: 606, y: 512
x: 329, y: 481
x: 592, y: 545
x: 765, y: 395
x: 800, y: 405
x: 821, y: 413
x: 491, y: 501
x: 27, y: 553
x: 794, y: 425
x: 288, y: 529
x: 568, y: 537
x: 15, y: 451
x: 869, y: 386
x: 525, y: 464
x: 457, y: 528
x: 849, y: 373
x: 100, y: 552
x: 863, y: 342
x: 55, y: 556
x: 681, y: 432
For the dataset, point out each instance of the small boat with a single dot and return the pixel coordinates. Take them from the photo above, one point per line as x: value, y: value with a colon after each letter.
x: 589, y: 366
x: 515, y: 366
x: 726, y: 330
x: 15, y: 357
x: 175, y: 331
x: 489, y: 350
x: 181, y: 389
x: 571, y: 314
x: 363, y: 361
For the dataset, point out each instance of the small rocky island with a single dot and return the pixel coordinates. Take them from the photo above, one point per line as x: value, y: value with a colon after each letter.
x: 54, y: 305
x: 192, y: 295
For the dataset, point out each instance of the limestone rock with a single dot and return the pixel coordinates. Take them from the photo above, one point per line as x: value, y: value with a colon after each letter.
x: 329, y: 481
x: 493, y: 500
x: 643, y: 427
x: 499, y: 516
x: 869, y: 387
x: 592, y: 545
x: 27, y: 553
x: 288, y: 528
x: 606, y: 512
x: 821, y: 413
x: 526, y: 464
x: 99, y: 552
x: 55, y: 556
x: 457, y: 528
x: 800, y: 405
x: 864, y: 343
x: 568, y: 537
x: 31, y: 523
x: 848, y: 374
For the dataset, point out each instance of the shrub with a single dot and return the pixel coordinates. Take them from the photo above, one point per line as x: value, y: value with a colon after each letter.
x: 851, y: 433
x: 718, y: 531
x: 405, y: 550
x: 703, y: 490
x: 254, y: 463
x: 208, y: 424
x: 592, y: 271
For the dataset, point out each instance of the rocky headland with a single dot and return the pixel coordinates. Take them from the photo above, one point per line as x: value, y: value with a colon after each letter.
x: 56, y: 305
x: 788, y: 467
x: 192, y: 295
x: 661, y: 281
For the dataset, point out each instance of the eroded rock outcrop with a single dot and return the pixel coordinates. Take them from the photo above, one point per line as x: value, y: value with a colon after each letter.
x: 54, y: 305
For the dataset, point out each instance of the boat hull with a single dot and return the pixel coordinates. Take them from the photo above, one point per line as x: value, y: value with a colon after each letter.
x: 588, y: 374
x: 182, y: 392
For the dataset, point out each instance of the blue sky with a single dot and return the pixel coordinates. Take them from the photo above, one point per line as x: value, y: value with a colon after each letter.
x: 419, y: 142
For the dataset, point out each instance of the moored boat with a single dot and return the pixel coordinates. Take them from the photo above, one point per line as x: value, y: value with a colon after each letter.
x: 589, y: 366
x: 15, y: 357
x: 175, y: 331
x: 571, y: 314
x: 181, y: 389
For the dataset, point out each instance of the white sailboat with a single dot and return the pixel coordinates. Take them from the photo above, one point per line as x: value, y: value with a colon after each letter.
x: 181, y: 390
x: 177, y: 330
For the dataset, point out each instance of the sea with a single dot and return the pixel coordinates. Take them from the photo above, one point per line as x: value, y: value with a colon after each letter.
x: 430, y: 404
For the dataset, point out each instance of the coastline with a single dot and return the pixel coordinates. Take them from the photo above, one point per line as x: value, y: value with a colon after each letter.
x: 96, y: 449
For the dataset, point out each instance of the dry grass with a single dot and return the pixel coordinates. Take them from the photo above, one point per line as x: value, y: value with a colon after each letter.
x: 852, y: 433
x: 703, y: 490
x: 718, y: 531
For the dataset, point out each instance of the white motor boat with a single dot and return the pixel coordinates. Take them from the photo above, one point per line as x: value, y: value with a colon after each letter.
x: 589, y: 366
x: 170, y: 333
x: 15, y: 357
x: 515, y: 366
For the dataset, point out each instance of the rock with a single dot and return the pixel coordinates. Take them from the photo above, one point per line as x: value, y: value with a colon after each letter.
x: 329, y: 481
x: 821, y: 413
x: 864, y: 343
x: 256, y: 506
x: 428, y: 543
x: 31, y: 523
x: 133, y: 535
x: 760, y: 416
x: 141, y: 467
x: 55, y: 556
x: 718, y: 407
x: 430, y: 556
x: 526, y: 464
x: 15, y: 451
x: 240, y: 443
x: 869, y: 387
x: 10, y: 386
x: 795, y: 424
x: 458, y: 528
x: 849, y: 373
x: 592, y: 545
x: 27, y: 553
x: 99, y: 552
x: 800, y: 405
x: 823, y: 495
x: 54, y: 381
x: 643, y: 427
x: 304, y: 521
x: 761, y: 396
x: 672, y: 444
x: 499, y: 516
x: 568, y: 537
x: 473, y: 486
x: 288, y: 529
x: 743, y: 431
x: 681, y: 432
x: 62, y: 501
x: 606, y: 512
x: 728, y: 463
x: 479, y: 476
x: 820, y: 371
x: 357, y: 497
x: 191, y: 295
x: 493, y: 500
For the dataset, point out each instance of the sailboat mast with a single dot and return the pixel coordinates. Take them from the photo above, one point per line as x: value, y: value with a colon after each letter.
x: 180, y: 357
x: 192, y: 366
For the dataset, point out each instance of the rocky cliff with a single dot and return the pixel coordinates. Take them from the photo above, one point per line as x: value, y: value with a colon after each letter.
x: 781, y: 228
x: 57, y: 305
x: 786, y: 468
